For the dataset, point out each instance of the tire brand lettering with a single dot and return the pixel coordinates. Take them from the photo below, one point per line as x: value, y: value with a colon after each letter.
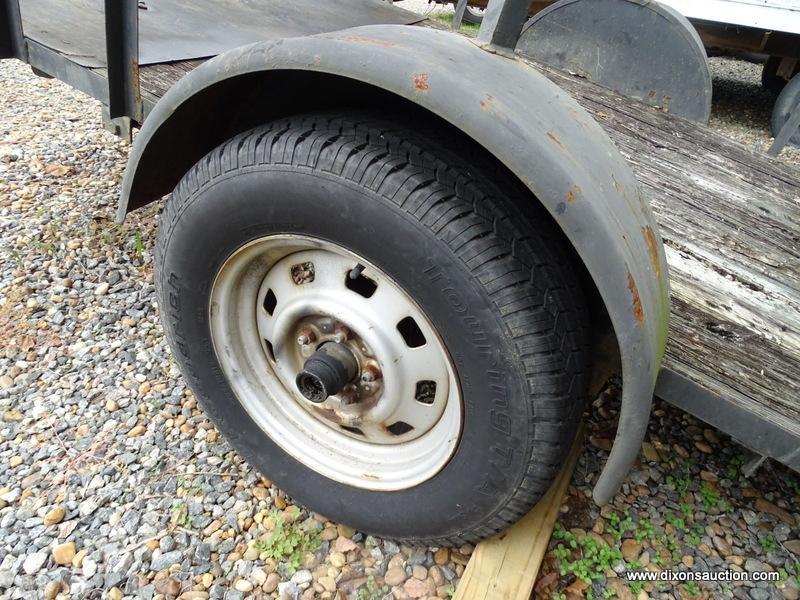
x: 505, y: 454
x: 502, y: 456
x: 499, y: 390
x: 175, y: 319
x: 500, y: 421
x: 499, y: 416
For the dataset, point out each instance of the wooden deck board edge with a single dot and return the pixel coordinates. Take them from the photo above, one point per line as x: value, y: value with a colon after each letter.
x: 505, y: 567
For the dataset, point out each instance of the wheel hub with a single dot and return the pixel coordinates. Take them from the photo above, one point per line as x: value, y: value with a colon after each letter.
x: 335, y: 362
x: 326, y: 372
x: 333, y: 356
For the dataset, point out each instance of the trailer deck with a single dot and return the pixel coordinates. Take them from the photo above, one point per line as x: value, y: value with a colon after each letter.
x: 730, y: 219
x: 70, y: 38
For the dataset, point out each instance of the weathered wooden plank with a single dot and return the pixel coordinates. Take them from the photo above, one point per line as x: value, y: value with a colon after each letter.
x: 730, y: 218
x: 155, y: 80
x: 505, y: 566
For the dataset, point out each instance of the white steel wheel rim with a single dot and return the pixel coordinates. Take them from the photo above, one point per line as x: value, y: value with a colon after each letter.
x: 360, y: 443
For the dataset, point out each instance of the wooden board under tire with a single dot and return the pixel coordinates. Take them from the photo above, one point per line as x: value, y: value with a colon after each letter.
x: 504, y: 567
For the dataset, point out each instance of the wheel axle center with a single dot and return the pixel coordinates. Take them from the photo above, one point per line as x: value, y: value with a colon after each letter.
x: 326, y: 372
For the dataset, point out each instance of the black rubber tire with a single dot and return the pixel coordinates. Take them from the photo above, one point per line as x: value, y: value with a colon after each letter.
x: 769, y: 75
x: 473, y: 16
x: 483, y: 261
x: 787, y: 102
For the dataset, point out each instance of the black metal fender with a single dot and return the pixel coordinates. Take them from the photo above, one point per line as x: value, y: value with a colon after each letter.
x: 642, y: 49
x: 529, y: 124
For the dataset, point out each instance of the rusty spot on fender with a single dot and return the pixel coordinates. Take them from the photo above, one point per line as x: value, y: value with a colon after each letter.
x: 638, y: 311
x: 573, y: 193
x: 652, y: 248
x: 366, y: 40
x: 486, y: 103
x: 421, y: 81
x: 563, y: 148
x: 552, y: 136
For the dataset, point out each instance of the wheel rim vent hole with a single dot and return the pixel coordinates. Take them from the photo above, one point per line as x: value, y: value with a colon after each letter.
x: 412, y: 334
x: 425, y: 392
x: 355, y: 430
x: 361, y: 285
x: 270, y: 302
x: 399, y: 428
x: 271, y: 350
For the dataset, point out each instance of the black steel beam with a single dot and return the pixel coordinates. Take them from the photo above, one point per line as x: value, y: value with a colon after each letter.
x: 761, y: 434
x: 89, y: 81
x: 458, y: 15
x: 122, y: 59
x: 12, y: 42
x: 502, y: 23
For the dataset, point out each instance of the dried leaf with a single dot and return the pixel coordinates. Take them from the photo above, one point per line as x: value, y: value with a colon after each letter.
x: 577, y: 587
x: 26, y: 343
x: 59, y: 170
x: 546, y: 584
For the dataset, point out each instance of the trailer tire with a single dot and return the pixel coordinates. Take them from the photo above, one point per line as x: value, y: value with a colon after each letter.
x: 473, y: 16
x: 492, y: 280
x: 770, y: 80
x: 788, y: 101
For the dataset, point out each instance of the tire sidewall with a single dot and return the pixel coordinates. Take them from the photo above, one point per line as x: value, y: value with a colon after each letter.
x: 788, y: 100
x: 473, y: 17
x: 249, y: 203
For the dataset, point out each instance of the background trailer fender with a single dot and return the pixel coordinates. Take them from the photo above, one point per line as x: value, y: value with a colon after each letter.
x: 539, y: 133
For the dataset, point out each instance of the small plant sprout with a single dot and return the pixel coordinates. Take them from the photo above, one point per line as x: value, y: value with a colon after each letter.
x: 288, y: 542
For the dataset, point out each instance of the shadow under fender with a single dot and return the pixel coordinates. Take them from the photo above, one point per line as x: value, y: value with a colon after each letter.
x: 529, y: 124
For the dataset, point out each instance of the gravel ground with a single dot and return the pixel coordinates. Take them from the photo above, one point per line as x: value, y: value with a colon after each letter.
x: 425, y: 8
x: 686, y: 506
x: 114, y: 484
x: 741, y: 109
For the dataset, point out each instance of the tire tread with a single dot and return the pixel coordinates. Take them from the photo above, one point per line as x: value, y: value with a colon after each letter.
x: 500, y: 234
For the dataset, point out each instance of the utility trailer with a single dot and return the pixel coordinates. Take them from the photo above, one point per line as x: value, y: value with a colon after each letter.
x: 656, y: 51
x: 391, y: 284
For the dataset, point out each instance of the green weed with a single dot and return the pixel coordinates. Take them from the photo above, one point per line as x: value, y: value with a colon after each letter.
x: 677, y: 522
x: 469, y: 29
x: 288, y: 542
x: 139, y: 245
x: 636, y: 587
x: 644, y: 531
x: 181, y: 514
x: 618, y: 527
x: 370, y: 591
x: 593, y: 558
x: 768, y: 542
x: 691, y: 588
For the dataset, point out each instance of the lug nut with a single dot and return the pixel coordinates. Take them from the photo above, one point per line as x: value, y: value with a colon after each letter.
x: 370, y: 373
x: 305, y: 337
x: 341, y: 333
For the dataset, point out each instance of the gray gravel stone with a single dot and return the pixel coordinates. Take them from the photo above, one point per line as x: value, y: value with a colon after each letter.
x: 166, y: 560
